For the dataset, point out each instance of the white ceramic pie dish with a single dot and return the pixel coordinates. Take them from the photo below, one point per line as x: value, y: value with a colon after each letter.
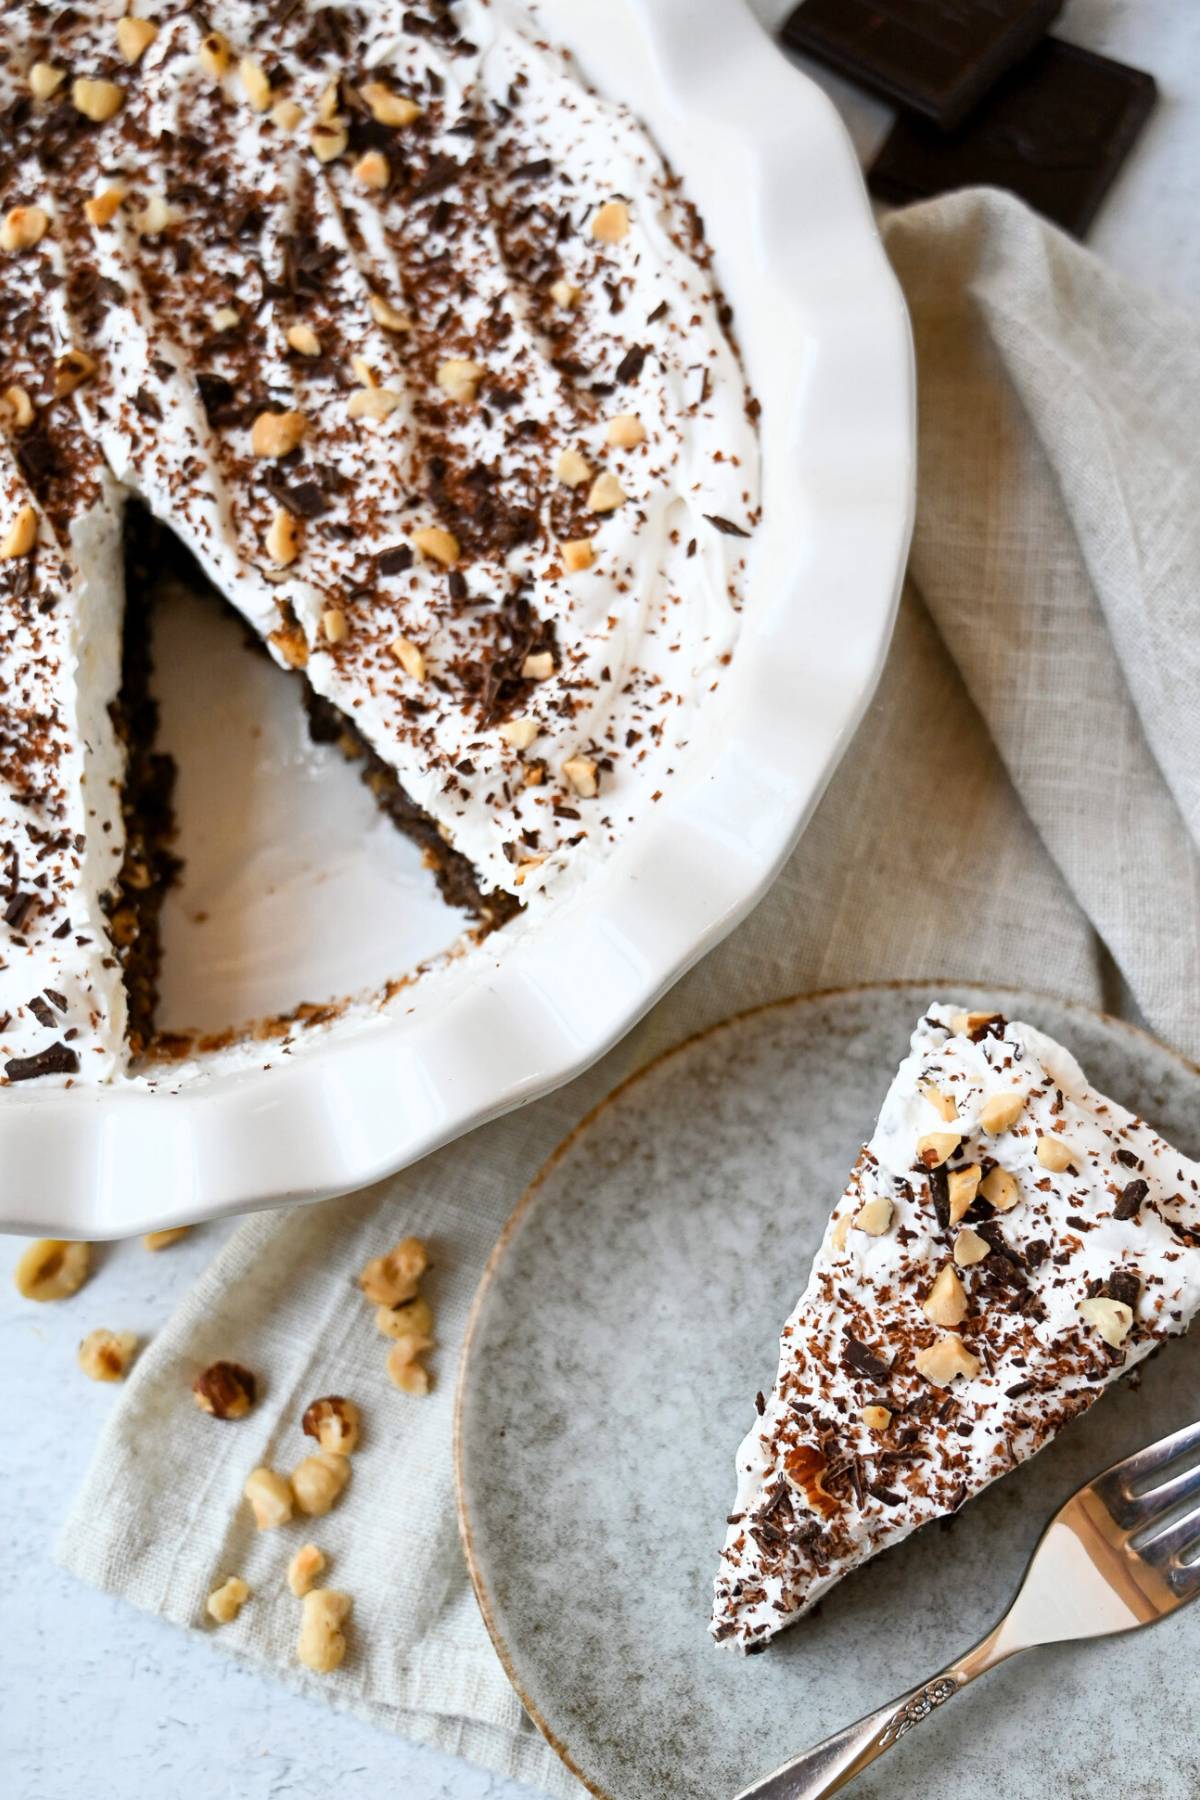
x: 825, y: 338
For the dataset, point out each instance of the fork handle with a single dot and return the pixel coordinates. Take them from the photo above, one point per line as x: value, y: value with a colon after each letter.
x: 829, y: 1765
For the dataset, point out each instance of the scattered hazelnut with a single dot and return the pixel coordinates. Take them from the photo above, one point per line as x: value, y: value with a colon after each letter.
x: 460, y: 378
x: 330, y: 101
x: 962, y: 1185
x: 970, y: 1248
x: 17, y: 407
x: 1053, y: 1154
x: 328, y: 141
x: 103, y: 207
x: 875, y: 1216
x: 98, y: 101
x: 942, y: 1361
x: 225, y: 318
x: 106, y: 1355
x: 538, y: 666
x: 407, y: 1375
x: 610, y: 222
x: 583, y: 776
x: 1001, y: 1112
x: 305, y: 1566
x: 291, y: 644
x: 577, y: 554
x: 935, y: 1146
x: 1113, y: 1319
x: 392, y: 1279
x: 946, y: 1302
x: 372, y: 169
x: 270, y: 1497
x: 287, y: 114
x: 226, y: 1602
x: 276, y: 434
x: 45, y: 79
x: 303, y: 340
x: 968, y: 1023
x: 520, y: 733
x: 840, y: 1231
x: 605, y: 494
x: 572, y: 470
x: 410, y: 657
x: 134, y: 37
x: 528, y: 864
x: 283, y: 539
x: 388, y: 316
x: 322, y: 1643
x: 942, y: 1103
x: 225, y: 1390
x: 23, y: 227
x: 71, y: 370
x: 334, y: 1422
x: 255, y: 85
x: 215, y: 55
x: 388, y: 108
x: 157, y: 216
x: 876, y: 1418
x: 442, y: 546
x: 335, y: 627
x: 626, y: 431
x: 1000, y: 1189
x: 52, y: 1269
x: 158, y: 1240
x: 376, y: 403
x: 565, y: 294
x: 21, y: 535
x: 410, y: 1319
x: 318, y: 1480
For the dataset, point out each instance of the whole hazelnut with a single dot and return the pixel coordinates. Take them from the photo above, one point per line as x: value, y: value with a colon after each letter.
x: 334, y: 1422
x: 225, y: 1390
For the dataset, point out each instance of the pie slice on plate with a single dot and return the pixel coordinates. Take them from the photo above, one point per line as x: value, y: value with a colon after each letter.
x: 1009, y: 1243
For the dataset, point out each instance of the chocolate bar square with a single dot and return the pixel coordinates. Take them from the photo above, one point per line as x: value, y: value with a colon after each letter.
x: 1055, y: 132
x: 935, y: 57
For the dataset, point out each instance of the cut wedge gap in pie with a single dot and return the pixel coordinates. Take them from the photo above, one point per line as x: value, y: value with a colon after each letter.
x: 1009, y: 1243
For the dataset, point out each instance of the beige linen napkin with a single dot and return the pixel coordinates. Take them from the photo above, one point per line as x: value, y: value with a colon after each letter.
x: 1020, y: 805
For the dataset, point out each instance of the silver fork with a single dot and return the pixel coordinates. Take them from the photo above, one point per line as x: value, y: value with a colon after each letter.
x: 1114, y: 1558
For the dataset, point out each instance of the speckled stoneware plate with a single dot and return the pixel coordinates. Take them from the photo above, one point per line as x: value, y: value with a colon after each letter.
x: 626, y: 1319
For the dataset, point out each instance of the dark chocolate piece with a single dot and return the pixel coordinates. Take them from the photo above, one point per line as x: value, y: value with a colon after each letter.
x: 936, y: 57
x: 56, y: 1059
x: 1055, y: 132
x: 1131, y: 1199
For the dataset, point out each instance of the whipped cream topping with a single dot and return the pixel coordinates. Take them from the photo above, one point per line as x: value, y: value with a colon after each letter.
x: 493, y: 268
x: 1068, y: 1276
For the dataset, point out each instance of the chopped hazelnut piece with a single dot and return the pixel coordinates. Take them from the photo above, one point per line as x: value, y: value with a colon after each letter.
x: 935, y: 1146
x: 441, y: 545
x: 215, y: 55
x: 255, y: 85
x: 328, y: 104
x: 335, y: 627
x: 1053, y: 1154
x: 942, y: 1361
x: 410, y: 656
x: 408, y: 1376
x: 71, y: 370
x: 18, y: 406
x: 408, y: 1319
x: 106, y: 1355
x: 577, y: 554
x: 322, y: 1642
x: 270, y: 1497
x: 538, y: 666
x: 388, y: 108
x: 334, y: 1422
x: 328, y: 141
x: 318, y: 1481
x: 287, y: 114
x: 305, y: 1566
x: 98, y: 101
x: 372, y: 169
x: 134, y: 37
x: 1113, y: 1319
x: 962, y: 1185
x: 303, y: 340
x: 103, y: 207
x: 946, y: 1302
x: 565, y: 294
x: 225, y: 1390
x: 875, y: 1217
x: 941, y: 1102
x: 291, y: 644
x: 1001, y: 1112
x: 376, y: 403
x: 23, y: 227
x: 583, y: 776
x: 388, y: 316
x: 969, y: 1023
x: 45, y: 79
x: 275, y: 434
x: 840, y: 1232
x: 610, y: 222
x: 159, y: 1240
x: 528, y: 864
x: 460, y: 378
x: 876, y: 1418
x: 970, y: 1248
x: 572, y: 470
x: 21, y: 535
x: 520, y: 733
x: 226, y: 1602
x: 225, y: 318
x: 283, y: 539
x: 626, y: 431
x: 52, y: 1269
x: 1000, y: 1189
x: 605, y: 494
x: 155, y: 217
x: 389, y: 1280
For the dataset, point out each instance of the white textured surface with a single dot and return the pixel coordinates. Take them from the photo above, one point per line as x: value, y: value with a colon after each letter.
x: 98, y: 1698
